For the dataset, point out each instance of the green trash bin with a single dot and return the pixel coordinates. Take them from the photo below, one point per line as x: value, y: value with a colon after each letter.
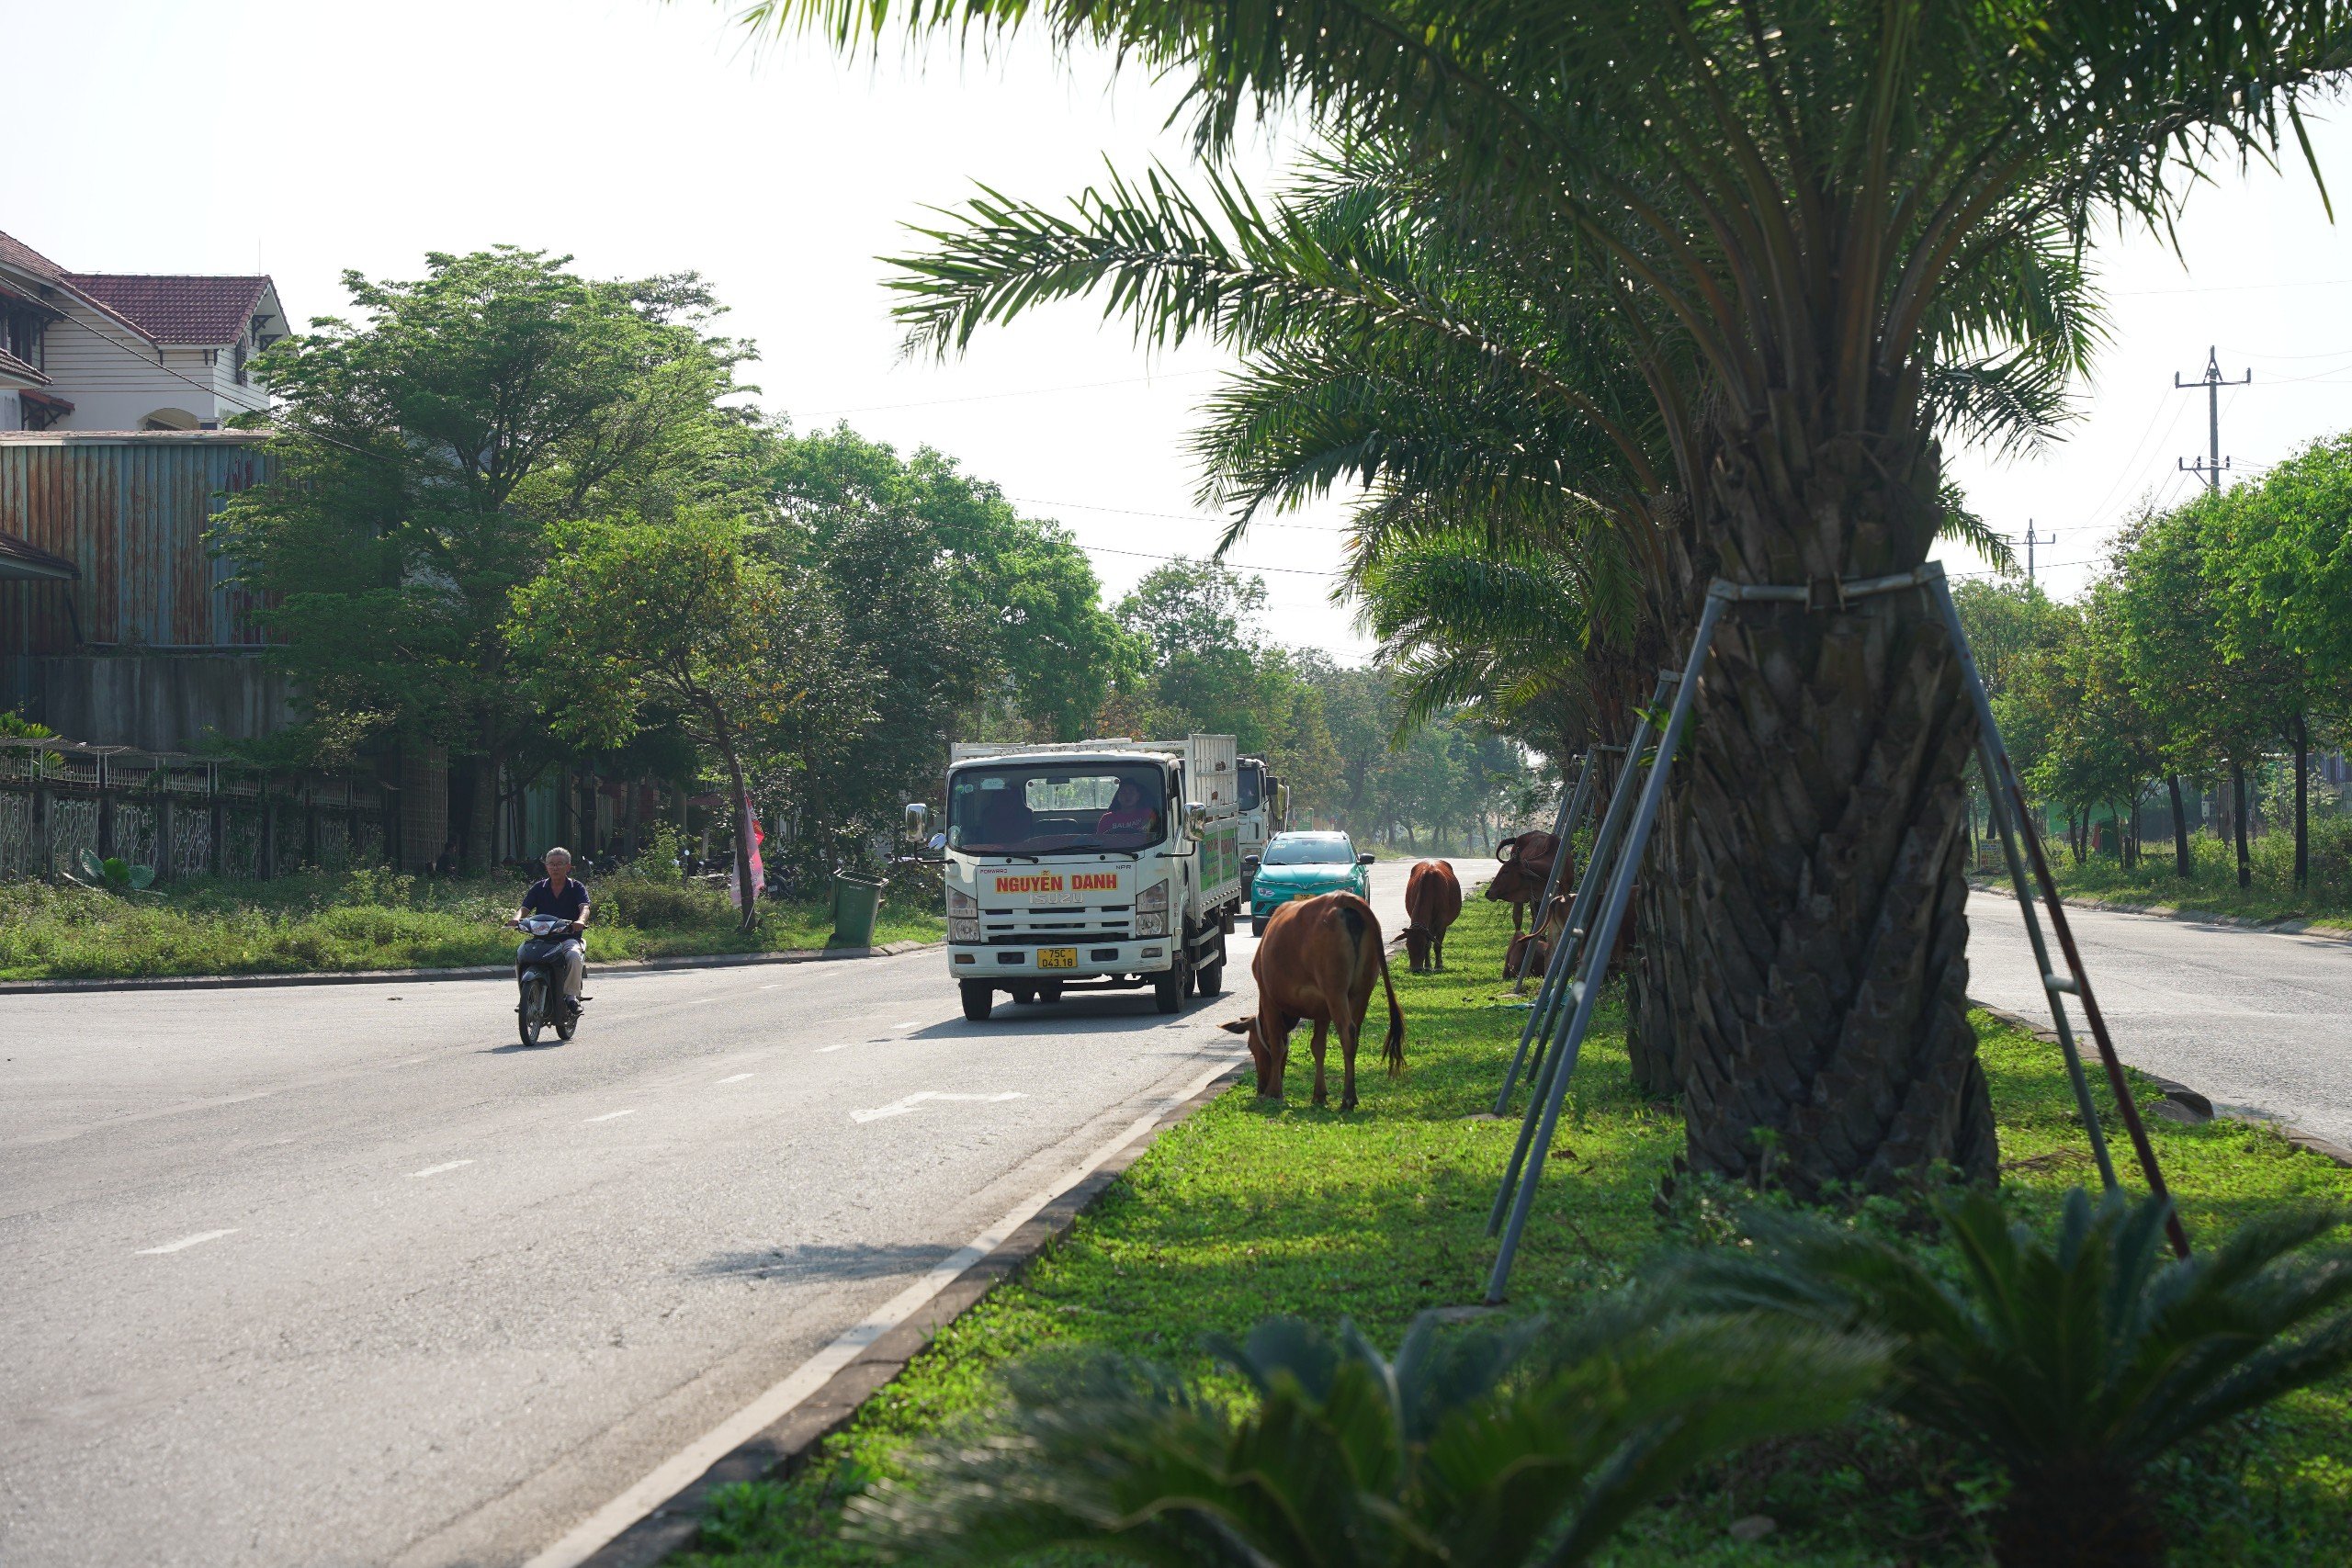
x: 857, y: 899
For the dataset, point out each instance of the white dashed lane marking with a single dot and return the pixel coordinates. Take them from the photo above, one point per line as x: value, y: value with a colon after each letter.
x: 437, y: 1170
x: 614, y: 1116
x: 739, y: 1077
x: 185, y: 1242
x: 901, y: 1107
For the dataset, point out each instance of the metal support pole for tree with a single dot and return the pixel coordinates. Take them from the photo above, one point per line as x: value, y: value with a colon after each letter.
x: 1572, y: 806
x: 1544, y: 1018
x: 2077, y: 980
x: 2010, y: 812
x: 1604, y: 932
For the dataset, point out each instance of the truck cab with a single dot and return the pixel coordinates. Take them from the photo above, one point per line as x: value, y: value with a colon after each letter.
x: 1264, y: 810
x: 1098, y: 864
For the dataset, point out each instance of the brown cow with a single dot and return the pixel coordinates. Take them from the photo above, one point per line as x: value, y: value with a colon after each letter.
x: 1432, y: 903
x: 1526, y: 868
x: 1543, y: 938
x: 1316, y: 965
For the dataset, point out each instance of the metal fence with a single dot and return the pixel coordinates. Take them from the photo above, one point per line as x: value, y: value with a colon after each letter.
x: 185, y: 815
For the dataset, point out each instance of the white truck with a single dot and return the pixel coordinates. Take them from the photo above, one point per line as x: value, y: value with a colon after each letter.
x: 1102, y: 864
x: 1265, y: 808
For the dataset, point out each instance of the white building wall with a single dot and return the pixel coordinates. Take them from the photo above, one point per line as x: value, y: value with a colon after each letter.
x: 113, y: 378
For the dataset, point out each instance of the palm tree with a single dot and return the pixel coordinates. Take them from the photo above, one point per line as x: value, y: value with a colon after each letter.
x: 2073, y: 1361
x: 1457, y: 1451
x: 1819, y: 233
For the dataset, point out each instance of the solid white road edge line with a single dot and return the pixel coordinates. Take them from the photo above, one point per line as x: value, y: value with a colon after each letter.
x: 683, y: 1469
x: 185, y: 1243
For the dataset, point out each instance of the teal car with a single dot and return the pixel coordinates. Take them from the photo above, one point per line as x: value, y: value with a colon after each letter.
x: 1300, y: 865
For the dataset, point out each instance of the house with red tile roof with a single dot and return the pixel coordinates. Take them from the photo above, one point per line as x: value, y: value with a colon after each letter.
x: 89, y: 351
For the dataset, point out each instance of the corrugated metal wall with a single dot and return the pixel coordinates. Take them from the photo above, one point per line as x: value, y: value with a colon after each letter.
x: 132, y: 511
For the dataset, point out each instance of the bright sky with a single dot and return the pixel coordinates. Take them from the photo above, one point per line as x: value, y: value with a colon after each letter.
x: 646, y: 137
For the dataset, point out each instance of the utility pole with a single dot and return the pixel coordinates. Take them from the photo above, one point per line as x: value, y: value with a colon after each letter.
x: 2030, y: 542
x: 2214, y: 463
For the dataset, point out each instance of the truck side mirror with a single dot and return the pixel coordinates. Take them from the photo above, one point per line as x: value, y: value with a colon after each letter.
x: 1197, y: 820
x: 918, y: 820
x: 1281, y: 802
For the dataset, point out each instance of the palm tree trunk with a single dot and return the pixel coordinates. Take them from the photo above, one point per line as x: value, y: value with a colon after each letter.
x: 1825, y: 842
x: 2181, y: 862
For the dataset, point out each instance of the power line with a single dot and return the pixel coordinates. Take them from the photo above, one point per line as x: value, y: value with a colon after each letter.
x: 1014, y: 392
x: 1170, y: 516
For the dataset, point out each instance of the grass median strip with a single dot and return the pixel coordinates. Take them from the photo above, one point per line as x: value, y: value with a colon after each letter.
x: 376, y: 919
x: 1247, y: 1210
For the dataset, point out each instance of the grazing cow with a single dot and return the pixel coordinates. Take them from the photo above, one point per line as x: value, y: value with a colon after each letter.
x: 1316, y: 965
x: 1543, y: 938
x: 1432, y: 903
x: 1526, y: 867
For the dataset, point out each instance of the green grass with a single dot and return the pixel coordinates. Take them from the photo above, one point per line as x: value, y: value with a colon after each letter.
x: 374, y: 919
x: 2213, y: 887
x: 1246, y: 1210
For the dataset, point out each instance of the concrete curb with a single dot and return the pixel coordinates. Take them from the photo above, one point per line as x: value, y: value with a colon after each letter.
x: 779, y: 1451
x: 459, y: 972
x: 2185, y: 1104
x: 2177, y: 912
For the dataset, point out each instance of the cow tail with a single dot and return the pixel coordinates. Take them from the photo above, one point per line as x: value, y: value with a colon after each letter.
x: 1395, y: 1049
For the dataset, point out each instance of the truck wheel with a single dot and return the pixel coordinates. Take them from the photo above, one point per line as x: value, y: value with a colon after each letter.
x: 1209, y: 979
x: 1022, y: 994
x: 979, y: 1001
x: 1051, y: 991
x: 1168, y: 988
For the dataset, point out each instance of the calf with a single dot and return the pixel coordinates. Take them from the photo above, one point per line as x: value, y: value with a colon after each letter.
x: 1316, y: 965
x: 1542, y: 938
x: 1432, y: 903
x: 1526, y: 869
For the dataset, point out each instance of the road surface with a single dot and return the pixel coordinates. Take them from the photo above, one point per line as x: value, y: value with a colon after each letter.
x: 342, y: 1274
x: 2258, y: 1022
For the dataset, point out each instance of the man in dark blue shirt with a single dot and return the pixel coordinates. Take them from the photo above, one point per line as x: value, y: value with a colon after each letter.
x: 557, y: 893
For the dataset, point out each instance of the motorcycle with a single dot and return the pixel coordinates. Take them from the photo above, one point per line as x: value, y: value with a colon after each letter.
x: 538, y: 976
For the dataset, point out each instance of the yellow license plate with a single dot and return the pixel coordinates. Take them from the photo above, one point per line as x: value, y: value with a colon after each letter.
x: 1058, y: 958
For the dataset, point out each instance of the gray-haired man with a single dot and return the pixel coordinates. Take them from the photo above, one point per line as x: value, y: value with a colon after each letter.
x: 557, y: 893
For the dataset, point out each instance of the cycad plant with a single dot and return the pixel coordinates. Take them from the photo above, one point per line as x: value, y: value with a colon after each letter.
x: 1463, y: 1450
x: 2073, y: 1361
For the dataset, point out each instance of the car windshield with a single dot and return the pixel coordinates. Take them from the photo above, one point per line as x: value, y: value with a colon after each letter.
x: 1055, y: 808
x: 1310, y: 849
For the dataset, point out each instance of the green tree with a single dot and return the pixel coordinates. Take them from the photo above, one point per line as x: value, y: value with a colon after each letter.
x: 2289, y: 590
x: 690, y: 621
x: 951, y: 598
x: 424, y: 453
x: 1824, y: 233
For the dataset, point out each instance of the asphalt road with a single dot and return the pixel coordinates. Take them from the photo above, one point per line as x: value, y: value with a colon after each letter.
x: 342, y: 1274
x: 2258, y: 1022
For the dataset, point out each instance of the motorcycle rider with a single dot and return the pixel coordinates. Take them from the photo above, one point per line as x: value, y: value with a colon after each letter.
x: 560, y: 893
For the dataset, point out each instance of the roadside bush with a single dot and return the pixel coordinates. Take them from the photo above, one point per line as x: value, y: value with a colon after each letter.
x: 654, y: 902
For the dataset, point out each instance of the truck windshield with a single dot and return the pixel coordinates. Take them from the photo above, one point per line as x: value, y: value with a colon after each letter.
x: 1252, y: 791
x: 1055, y: 808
